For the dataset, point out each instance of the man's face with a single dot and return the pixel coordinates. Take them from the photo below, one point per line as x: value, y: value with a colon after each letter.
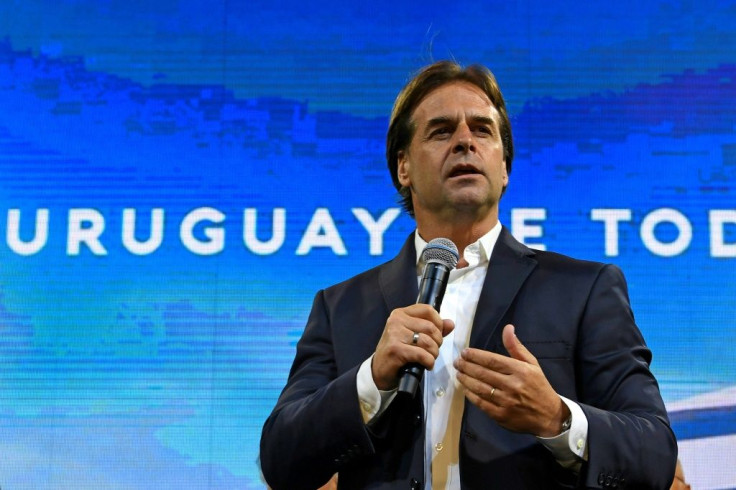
x: 455, y: 160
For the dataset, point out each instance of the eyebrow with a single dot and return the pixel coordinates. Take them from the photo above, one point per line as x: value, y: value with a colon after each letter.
x: 440, y: 120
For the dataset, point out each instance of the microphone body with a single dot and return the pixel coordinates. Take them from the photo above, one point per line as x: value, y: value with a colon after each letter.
x: 440, y: 256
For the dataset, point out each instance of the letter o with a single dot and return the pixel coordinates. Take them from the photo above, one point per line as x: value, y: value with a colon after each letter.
x: 666, y: 215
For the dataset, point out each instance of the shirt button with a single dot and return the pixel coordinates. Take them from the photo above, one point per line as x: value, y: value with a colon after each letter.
x: 367, y: 407
x: 580, y: 444
x: 440, y: 392
x: 438, y: 447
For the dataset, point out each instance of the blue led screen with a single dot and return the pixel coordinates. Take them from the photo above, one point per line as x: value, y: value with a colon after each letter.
x: 178, y: 179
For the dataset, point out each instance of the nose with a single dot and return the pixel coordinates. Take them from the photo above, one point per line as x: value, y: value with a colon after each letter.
x: 463, y: 140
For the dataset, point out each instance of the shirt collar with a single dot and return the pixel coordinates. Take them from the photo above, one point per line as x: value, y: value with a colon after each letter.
x: 478, y: 252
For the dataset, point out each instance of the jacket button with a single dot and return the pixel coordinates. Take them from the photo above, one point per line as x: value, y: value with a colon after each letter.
x: 417, y: 420
x: 415, y: 484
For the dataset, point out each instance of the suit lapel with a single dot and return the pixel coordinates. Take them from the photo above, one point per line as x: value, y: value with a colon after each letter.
x: 398, y: 278
x: 509, y: 266
x: 399, y: 286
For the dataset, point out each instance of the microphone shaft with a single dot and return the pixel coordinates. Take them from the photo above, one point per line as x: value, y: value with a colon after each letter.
x: 431, y: 291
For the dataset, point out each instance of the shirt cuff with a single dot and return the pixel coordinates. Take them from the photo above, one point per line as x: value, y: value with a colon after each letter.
x: 372, y: 400
x: 570, y: 447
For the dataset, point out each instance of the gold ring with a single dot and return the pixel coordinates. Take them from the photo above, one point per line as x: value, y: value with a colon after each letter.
x: 415, y: 338
x: 493, y: 390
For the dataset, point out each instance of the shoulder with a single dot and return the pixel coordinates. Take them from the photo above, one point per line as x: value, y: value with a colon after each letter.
x: 549, y: 261
x: 555, y: 260
x: 570, y: 276
x: 508, y: 248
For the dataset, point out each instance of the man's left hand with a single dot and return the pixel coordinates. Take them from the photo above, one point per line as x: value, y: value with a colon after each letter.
x: 513, y: 391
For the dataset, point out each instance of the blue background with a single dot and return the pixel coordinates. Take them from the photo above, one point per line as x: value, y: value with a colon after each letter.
x: 158, y: 370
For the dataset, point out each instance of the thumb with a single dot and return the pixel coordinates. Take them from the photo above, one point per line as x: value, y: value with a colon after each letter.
x: 515, y: 347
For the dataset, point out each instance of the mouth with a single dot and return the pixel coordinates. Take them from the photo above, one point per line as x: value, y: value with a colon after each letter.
x: 463, y: 170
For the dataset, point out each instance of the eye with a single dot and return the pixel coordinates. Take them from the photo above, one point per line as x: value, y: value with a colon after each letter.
x: 485, y: 130
x: 440, y: 132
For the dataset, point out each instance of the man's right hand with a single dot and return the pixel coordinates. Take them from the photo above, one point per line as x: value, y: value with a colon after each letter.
x: 395, y: 349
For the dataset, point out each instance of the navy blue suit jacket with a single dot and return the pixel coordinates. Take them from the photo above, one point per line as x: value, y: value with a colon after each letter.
x: 573, y: 315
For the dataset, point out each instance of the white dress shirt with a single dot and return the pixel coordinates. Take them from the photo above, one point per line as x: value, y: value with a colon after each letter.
x: 443, y: 395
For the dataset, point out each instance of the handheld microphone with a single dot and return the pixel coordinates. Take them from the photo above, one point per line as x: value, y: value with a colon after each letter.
x: 440, y: 257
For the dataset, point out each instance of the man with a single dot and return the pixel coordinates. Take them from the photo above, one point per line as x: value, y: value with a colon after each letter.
x: 537, y: 377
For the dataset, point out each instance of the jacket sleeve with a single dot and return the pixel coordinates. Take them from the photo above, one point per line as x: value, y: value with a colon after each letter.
x: 316, y: 427
x: 630, y: 443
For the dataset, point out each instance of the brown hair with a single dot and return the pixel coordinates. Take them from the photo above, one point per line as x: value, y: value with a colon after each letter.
x: 401, y: 126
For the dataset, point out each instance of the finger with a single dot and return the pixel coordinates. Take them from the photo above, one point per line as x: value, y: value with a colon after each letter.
x: 482, y: 395
x: 403, y: 324
x: 481, y: 374
x: 429, y: 335
x: 447, y: 327
x: 477, y: 386
x: 492, y: 410
x: 515, y: 347
x: 402, y: 349
x: 424, y: 319
x: 485, y: 360
x: 425, y: 342
x: 420, y: 310
x: 425, y: 358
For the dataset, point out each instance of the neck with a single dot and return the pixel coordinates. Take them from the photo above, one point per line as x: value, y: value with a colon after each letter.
x: 461, y: 232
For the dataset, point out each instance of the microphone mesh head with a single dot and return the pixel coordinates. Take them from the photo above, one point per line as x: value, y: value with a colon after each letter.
x: 441, y: 250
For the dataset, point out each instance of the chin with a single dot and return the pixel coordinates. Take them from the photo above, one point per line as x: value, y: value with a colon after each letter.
x: 473, y: 205
x: 474, y: 198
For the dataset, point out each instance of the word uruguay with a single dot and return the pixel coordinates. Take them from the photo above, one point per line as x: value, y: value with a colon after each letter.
x: 85, y: 227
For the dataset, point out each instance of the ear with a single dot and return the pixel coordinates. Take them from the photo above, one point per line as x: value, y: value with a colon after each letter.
x: 404, y: 166
x: 505, y: 174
